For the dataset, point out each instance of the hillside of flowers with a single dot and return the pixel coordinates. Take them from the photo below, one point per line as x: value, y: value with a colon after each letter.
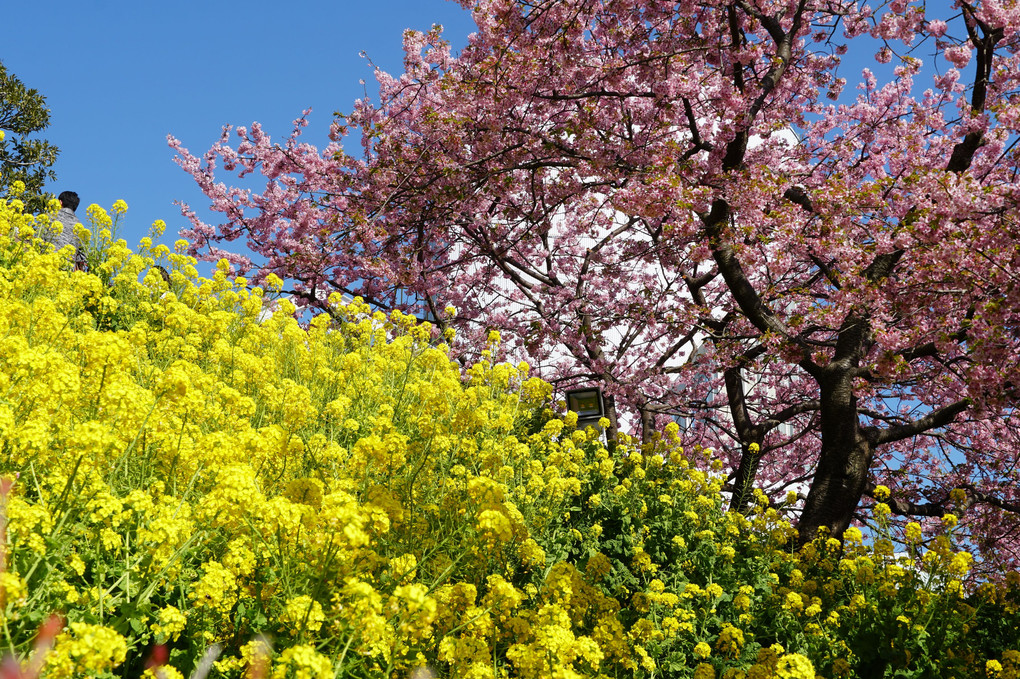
x: 194, y: 486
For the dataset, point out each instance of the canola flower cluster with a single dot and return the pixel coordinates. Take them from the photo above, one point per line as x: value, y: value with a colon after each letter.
x: 188, y: 476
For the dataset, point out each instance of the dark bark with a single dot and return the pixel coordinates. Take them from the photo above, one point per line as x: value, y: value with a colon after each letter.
x: 743, y: 482
x: 613, y: 431
x: 749, y: 435
x: 647, y: 423
x: 844, y: 460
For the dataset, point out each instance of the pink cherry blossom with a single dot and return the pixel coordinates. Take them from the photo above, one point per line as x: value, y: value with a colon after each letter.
x: 958, y: 55
x: 660, y: 199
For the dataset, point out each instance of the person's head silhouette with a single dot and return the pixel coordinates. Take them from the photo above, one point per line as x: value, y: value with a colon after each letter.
x: 69, y: 199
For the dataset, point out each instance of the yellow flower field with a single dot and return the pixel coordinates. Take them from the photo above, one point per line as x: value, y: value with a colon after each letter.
x: 189, y: 477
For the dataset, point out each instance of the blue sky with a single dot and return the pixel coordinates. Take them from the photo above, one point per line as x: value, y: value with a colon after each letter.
x: 119, y: 76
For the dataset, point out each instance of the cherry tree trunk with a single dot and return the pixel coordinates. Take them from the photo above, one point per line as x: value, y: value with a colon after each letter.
x: 843, y: 462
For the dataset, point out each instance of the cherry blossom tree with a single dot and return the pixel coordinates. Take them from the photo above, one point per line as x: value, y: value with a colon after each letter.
x: 679, y: 201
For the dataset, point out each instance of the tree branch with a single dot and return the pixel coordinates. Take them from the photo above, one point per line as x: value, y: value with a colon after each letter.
x: 936, y: 418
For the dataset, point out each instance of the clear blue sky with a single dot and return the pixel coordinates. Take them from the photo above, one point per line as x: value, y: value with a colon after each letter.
x: 119, y: 76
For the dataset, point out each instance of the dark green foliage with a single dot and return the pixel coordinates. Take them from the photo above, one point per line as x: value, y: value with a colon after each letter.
x: 23, y: 112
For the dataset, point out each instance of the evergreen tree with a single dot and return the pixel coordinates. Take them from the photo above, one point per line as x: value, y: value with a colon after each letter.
x: 23, y: 112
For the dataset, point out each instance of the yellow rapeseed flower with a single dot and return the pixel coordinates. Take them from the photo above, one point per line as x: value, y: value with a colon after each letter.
x: 302, y: 662
x: 794, y: 666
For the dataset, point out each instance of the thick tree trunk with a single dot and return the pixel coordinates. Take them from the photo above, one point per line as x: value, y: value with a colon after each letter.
x: 647, y: 423
x: 843, y: 463
x: 614, y: 427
